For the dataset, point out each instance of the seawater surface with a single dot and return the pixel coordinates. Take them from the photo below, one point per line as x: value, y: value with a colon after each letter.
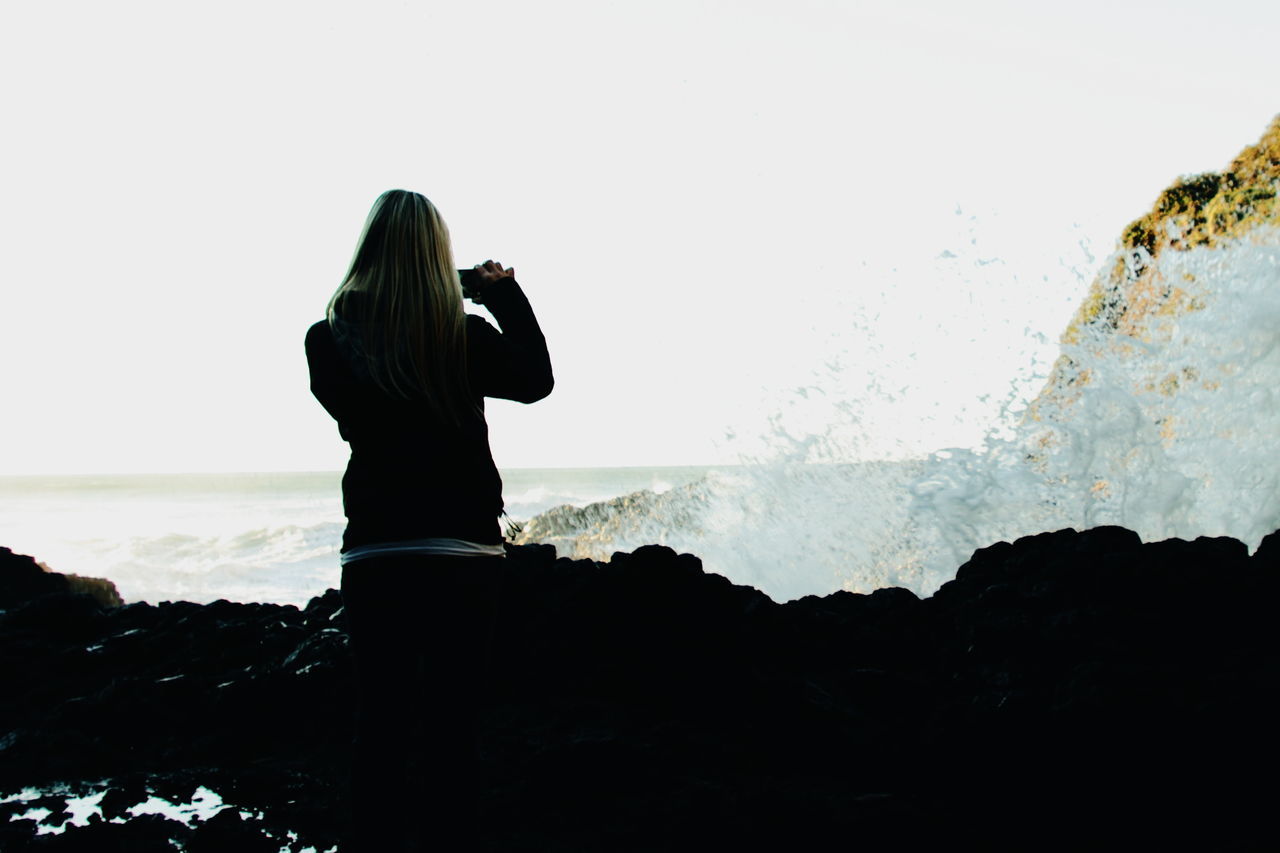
x: 270, y: 537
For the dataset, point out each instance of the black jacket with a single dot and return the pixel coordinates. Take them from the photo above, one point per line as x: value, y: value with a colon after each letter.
x: 412, y: 475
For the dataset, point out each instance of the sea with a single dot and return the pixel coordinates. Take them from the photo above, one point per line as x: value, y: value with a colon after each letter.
x: 269, y: 537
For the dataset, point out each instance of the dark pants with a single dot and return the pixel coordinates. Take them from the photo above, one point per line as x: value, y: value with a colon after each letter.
x: 421, y: 630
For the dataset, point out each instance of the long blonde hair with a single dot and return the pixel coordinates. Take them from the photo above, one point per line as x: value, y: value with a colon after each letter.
x: 408, y: 325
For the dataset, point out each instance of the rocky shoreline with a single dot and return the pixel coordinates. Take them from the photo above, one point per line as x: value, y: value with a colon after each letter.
x: 1068, y: 690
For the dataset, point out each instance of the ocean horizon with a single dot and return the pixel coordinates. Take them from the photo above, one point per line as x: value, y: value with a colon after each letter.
x: 243, y: 536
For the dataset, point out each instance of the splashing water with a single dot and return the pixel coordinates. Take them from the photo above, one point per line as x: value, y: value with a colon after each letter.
x: 1161, y: 424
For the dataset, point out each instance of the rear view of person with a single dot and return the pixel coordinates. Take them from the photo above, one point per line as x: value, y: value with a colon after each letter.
x: 404, y: 371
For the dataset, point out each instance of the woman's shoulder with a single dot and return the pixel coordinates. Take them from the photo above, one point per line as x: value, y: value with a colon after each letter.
x: 319, y: 331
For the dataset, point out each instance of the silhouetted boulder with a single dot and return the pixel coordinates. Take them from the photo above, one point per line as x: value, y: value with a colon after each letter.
x: 22, y: 579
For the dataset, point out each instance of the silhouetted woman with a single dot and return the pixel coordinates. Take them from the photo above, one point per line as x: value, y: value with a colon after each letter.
x: 404, y: 371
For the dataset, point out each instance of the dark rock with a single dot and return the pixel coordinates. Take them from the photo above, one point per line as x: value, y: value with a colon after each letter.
x: 143, y: 834
x: 22, y: 579
x: 1074, y: 680
x: 118, y: 799
x: 1268, y: 553
x: 67, y: 616
x: 227, y: 830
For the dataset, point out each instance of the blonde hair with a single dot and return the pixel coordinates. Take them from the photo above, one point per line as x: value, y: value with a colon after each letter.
x: 408, y: 325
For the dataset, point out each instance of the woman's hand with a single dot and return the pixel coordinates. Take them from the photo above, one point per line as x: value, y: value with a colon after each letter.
x: 486, y: 274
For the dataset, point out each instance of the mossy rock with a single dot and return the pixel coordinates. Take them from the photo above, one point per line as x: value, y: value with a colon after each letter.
x: 1198, y: 210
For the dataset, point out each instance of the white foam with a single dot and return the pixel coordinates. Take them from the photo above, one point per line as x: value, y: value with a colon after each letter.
x: 1171, y: 436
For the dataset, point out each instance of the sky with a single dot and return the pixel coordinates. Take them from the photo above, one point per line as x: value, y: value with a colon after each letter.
x: 824, y: 229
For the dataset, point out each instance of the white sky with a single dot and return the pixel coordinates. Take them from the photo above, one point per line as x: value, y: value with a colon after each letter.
x: 709, y: 204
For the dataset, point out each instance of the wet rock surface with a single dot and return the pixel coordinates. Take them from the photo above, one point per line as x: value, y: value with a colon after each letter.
x: 1066, y: 690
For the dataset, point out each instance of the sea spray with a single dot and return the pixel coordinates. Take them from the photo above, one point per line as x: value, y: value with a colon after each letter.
x: 1163, y: 425
x: 1167, y: 430
x: 1159, y: 415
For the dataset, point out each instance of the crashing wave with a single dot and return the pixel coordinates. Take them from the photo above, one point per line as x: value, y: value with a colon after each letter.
x: 1158, y: 416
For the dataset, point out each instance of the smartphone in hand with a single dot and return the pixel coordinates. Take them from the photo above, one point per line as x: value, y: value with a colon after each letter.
x: 470, y: 278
